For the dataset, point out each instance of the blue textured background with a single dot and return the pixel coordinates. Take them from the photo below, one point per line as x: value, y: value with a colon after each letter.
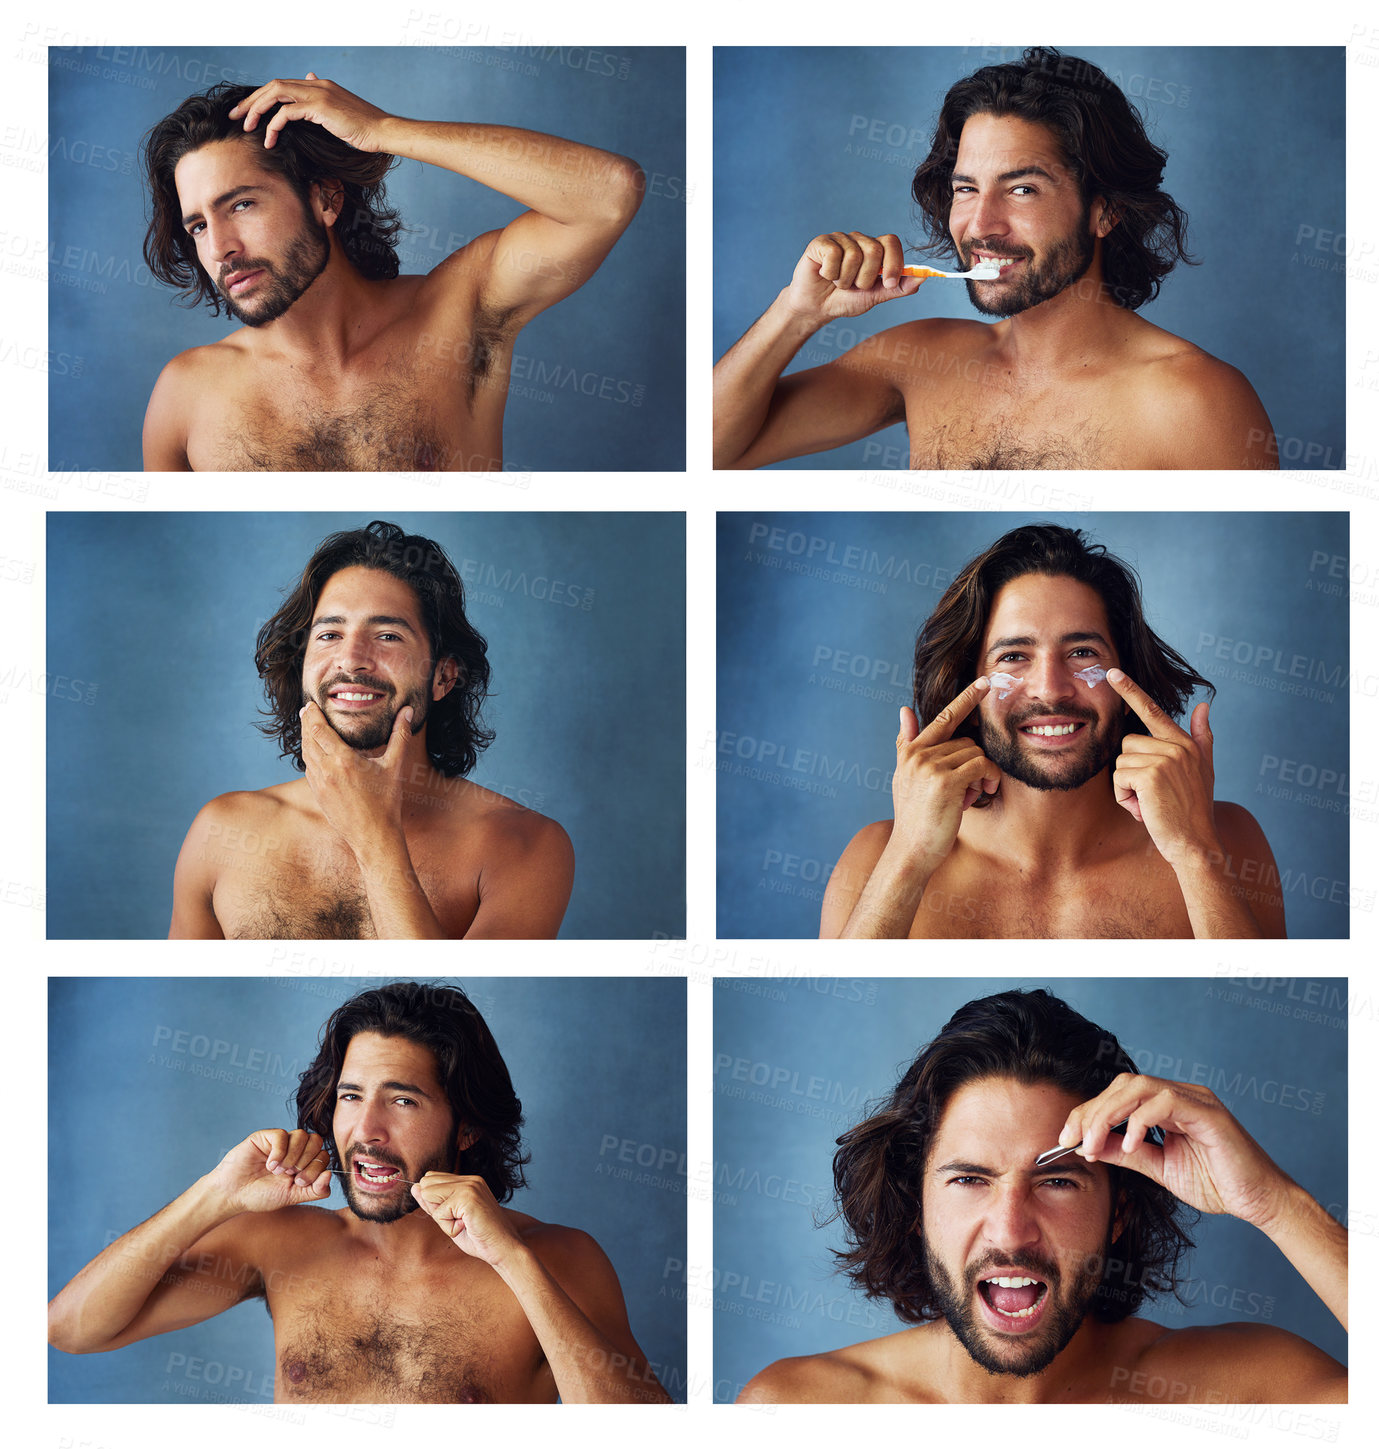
x: 179, y: 1086
x: 796, y: 1063
x: 817, y: 616
x: 1255, y: 137
x: 626, y: 325
x: 152, y: 618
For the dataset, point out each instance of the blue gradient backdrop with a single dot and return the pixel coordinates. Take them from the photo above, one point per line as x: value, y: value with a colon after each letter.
x: 187, y: 1069
x: 823, y: 139
x: 152, y: 620
x: 817, y: 617
x: 796, y: 1063
x: 598, y: 381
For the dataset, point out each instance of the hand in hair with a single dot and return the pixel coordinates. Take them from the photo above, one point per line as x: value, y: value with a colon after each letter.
x: 343, y: 114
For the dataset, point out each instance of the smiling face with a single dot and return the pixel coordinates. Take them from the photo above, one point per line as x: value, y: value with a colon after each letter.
x: 254, y: 237
x: 1014, y: 1252
x: 392, y: 1124
x: 1058, y: 725
x: 368, y: 656
x: 1016, y: 200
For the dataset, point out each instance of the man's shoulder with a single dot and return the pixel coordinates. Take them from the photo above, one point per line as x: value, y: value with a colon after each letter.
x: 243, y: 809
x: 1227, y: 1363
x: 506, y: 824
x: 876, y: 1370
x: 926, y: 342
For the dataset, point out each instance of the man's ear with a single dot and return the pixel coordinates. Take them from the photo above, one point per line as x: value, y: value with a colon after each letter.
x: 466, y: 1137
x: 330, y: 198
x: 448, y: 674
x: 1104, y: 218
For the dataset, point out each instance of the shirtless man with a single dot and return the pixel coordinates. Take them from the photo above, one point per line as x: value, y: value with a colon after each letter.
x: 271, y: 201
x: 1071, y: 377
x: 1025, y: 1278
x: 374, y: 679
x: 1054, y: 795
x: 410, y: 1103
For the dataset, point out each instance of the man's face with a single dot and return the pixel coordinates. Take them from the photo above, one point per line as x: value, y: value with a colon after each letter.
x: 253, y: 236
x: 1015, y: 197
x: 392, y: 1124
x: 989, y: 1214
x: 368, y: 656
x: 1053, y: 731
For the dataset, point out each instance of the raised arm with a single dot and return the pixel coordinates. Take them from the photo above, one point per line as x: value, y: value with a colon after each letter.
x: 760, y: 417
x: 581, y: 199
x: 566, y: 1288
x: 196, y: 1257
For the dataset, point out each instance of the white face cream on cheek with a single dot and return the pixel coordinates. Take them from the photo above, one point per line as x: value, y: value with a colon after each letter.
x: 1091, y: 676
x: 1003, y: 684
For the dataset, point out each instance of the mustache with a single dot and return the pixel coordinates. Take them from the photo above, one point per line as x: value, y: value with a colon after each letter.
x: 235, y: 268
x: 1033, y: 710
x: 1040, y: 1264
x: 356, y: 681
x: 997, y: 249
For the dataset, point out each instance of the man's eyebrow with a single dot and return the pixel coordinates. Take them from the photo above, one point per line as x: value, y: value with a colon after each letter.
x: 1062, y: 1168
x: 411, y: 1087
x: 235, y: 191
x: 392, y: 619
x: 1075, y: 636
x: 1014, y: 175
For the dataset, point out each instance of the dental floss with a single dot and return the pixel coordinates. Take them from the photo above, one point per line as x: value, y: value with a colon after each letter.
x: 1091, y: 676
x: 1003, y: 684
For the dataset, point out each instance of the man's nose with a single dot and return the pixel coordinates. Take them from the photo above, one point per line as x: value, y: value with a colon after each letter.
x: 1049, y: 678
x: 1012, y: 1222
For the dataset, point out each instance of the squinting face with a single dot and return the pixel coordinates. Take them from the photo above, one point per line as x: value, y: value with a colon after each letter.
x: 1015, y: 200
x: 392, y: 1124
x: 253, y: 236
x: 1055, y: 729
x: 368, y: 656
x: 1014, y: 1253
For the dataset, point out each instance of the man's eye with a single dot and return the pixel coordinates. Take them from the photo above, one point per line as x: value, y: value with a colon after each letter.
x: 966, y: 1181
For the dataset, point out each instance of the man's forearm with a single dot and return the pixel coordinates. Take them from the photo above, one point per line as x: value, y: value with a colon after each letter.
x: 588, y: 1369
x: 1214, y: 901
x: 101, y: 1301
x: 569, y: 183
x: 1315, y: 1244
x: 890, y: 899
x: 744, y: 381
x: 398, y: 905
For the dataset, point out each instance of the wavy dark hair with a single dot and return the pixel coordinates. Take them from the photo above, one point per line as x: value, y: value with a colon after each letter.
x: 1103, y: 140
x: 454, y: 734
x: 468, y: 1063
x: 949, y: 644
x: 305, y: 154
x: 1034, y: 1038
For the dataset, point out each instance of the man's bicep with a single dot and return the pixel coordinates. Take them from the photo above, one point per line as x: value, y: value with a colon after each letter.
x: 193, y: 883
x: 525, y: 885
x: 850, y: 876
x: 828, y: 407
x: 1255, y: 870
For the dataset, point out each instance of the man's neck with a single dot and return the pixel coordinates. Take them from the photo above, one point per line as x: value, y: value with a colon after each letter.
x: 1044, y: 832
x: 328, y: 322
x: 405, y: 1243
x: 1078, y: 327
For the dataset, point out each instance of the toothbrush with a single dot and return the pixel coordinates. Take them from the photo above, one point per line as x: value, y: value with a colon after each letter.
x: 982, y: 272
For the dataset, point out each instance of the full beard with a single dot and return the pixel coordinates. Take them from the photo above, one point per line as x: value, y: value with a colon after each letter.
x: 1064, y: 263
x: 374, y: 730
x: 1003, y: 745
x: 306, y: 259
x: 399, y: 1204
x: 1018, y: 1356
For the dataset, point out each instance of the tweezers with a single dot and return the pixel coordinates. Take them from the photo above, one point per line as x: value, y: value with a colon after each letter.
x: 1054, y: 1153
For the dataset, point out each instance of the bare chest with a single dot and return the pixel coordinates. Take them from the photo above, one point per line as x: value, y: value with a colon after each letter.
x: 363, y: 1340
x: 305, y: 885
x: 968, y: 898
x: 428, y: 404
x: 967, y: 420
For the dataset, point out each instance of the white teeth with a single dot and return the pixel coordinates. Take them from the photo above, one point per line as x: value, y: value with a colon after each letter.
x: 1013, y: 1282
x: 356, y: 696
x: 1049, y: 729
x: 1023, y: 1313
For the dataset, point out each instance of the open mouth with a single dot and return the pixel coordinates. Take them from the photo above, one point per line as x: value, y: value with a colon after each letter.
x: 1053, y: 731
x: 355, y: 697
x: 1014, y: 1302
x: 375, y: 1176
x: 990, y: 259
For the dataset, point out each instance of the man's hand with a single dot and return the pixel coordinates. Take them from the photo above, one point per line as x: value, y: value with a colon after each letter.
x: 466, y: 1211
x: 844, y: 274
x: 1207, y: 1160
x: 1165, y: 778
x: 937, y: 777
x: 360, y: 796
x: 273, y: 1168
x: 344, y: 115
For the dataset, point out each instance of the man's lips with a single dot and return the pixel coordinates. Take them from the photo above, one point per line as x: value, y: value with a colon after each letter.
x: 1051, y: 729
x: 1006, y: 262
x: 354, y: 696
x: 374, y: 1176
x: 237, y: 281
x: 1025, y: 1286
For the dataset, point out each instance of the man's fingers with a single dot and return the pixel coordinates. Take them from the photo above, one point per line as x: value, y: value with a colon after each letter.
x: 1155, y: 720
x: 402, y: 732
x: 943, y: 724
x: 1200, y: 728
x: 909, y: 726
